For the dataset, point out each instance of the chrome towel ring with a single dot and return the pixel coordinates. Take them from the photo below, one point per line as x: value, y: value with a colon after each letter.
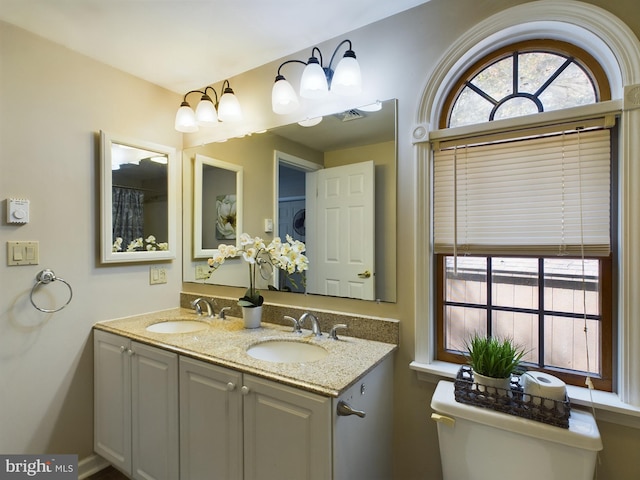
x: 43, y: 278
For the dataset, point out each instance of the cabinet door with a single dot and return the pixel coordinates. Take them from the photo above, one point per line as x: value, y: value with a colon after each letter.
x: 112, y: 399
x: 210, y: 422
x: 154, y: 416
x: 287, y: 432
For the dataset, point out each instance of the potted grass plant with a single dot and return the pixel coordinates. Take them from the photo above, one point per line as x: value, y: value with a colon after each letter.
x: 493, y: 361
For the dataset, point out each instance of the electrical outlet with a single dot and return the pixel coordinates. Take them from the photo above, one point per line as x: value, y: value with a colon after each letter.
x: 157, y: 275
x: 202, y: 272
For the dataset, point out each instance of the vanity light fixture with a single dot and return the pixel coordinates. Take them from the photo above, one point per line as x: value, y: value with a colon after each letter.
x: 317, y: 81
x: 205, y: 115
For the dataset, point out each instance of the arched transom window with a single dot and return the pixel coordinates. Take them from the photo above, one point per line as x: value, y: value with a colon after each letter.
x: 522, y: 79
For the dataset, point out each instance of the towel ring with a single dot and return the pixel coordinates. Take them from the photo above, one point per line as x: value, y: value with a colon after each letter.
x: 43, y: 278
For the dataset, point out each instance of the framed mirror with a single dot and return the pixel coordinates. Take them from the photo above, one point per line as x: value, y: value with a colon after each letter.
x: 217, y: 204
x: 137, y: 200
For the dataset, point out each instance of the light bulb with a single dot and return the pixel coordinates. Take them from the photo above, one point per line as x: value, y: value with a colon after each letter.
x: 206, y: 112
x: 347, y: 79
x: 186, y: 119
x: 283, y: 97
x: 229, y: 108
x: 313, y: 83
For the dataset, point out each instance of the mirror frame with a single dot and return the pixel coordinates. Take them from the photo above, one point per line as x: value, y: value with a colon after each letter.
x: 199, y: 162
x: 107, y: 255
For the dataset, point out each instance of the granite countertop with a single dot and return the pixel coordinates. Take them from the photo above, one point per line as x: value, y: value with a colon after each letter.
x: 224, y: 343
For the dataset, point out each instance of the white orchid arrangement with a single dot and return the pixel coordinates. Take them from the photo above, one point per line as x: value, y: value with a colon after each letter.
x: 288, y: 256
x: 139, y: 244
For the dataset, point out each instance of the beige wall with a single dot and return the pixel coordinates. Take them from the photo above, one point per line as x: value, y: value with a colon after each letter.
x: 52, y: 103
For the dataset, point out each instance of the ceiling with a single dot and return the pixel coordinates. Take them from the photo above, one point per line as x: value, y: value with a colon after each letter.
x: 185, y: 44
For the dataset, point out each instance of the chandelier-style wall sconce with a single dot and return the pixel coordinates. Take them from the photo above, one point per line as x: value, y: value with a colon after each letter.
x: 206, y: 115
x: 317, y: 81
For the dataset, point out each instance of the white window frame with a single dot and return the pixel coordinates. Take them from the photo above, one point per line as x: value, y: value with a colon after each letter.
x: 617, y: 49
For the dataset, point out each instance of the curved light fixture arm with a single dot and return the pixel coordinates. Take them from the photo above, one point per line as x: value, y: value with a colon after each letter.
x: 316, y: 49
x: 285, y: 63
x: 336, y: 51
x: 184, y: 99
x: 215, y: 94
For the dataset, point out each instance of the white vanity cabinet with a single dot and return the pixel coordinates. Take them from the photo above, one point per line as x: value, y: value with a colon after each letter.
x: 237, y: 426
x: 161, y: 415
x: 136, y: 407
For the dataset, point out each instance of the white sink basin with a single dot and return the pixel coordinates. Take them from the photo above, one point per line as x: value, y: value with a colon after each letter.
x: 177, y: 326
x: 283, y: 351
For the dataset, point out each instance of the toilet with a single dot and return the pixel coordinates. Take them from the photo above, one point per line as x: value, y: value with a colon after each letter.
x: 482, y: 444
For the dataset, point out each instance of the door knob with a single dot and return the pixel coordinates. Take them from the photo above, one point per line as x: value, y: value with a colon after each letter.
x: 365, y: 274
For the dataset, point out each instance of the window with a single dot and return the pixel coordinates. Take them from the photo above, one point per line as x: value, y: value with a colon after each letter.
x: 522, y: 79
x: 522, y: 220
x: 559, y: 313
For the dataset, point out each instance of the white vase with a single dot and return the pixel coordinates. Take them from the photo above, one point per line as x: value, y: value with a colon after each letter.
x: 491, y: 385
x: 252, y: 316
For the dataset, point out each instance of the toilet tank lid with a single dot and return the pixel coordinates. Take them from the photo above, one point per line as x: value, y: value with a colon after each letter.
x: 582, y: 432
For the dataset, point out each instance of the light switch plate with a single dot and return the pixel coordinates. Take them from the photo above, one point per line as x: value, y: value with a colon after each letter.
x: 157, y: 275
x: 202, y: 272
x: 23, y: 253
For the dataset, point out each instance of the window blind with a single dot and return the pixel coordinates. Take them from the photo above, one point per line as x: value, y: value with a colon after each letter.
x: 547, y: 195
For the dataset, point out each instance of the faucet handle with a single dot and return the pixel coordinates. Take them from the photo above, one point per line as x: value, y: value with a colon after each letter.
x: 221, y: 314
x: 332, y: 334
x: 196, y: 306
x: 296, y: 324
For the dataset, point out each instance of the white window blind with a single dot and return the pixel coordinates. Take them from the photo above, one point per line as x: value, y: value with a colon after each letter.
x: 548, y: 195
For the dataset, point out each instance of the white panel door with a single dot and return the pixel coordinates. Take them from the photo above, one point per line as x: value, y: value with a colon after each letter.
x: 340, y: 231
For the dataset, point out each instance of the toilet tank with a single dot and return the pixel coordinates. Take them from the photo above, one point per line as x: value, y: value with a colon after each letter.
x: 482, y: 444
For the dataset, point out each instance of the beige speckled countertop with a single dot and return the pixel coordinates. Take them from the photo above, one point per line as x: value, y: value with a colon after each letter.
x: 224, y: 342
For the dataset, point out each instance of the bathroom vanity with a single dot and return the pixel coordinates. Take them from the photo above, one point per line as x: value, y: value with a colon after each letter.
x: 196, y: 405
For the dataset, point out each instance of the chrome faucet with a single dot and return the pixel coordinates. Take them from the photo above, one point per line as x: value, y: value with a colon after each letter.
x: 315, y: 326
x: 296, y: 324
x: 221, y: 314
x: 196, y: 306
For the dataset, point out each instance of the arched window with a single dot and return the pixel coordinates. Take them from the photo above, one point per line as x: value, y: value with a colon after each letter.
x: 522, y: 218
x: 522, y: 79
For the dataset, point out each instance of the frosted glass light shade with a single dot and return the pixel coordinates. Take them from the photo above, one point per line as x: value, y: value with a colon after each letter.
x: 186, y: 119
x: 347, y: 79
x: 313, y: 83
x: 283, y: 97
x: 229, y: 108
x: 206, y: 114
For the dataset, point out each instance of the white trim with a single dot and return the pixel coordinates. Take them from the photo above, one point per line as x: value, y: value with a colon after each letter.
x: 91, y: 465
x: 616, y: 47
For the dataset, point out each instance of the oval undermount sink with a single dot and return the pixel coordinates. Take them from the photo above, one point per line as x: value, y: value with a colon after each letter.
x: 283, y: 351
x: 177, y: 326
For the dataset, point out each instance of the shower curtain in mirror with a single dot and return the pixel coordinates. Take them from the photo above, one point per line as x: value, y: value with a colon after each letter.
x: 127, y: 215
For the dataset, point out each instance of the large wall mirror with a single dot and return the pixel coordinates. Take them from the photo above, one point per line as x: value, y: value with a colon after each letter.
x: 281, y: 166
x: 137, y: 200
x: 217, y: 204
